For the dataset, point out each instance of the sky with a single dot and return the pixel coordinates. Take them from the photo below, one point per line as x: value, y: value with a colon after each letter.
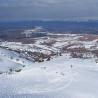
x: 13, y: 10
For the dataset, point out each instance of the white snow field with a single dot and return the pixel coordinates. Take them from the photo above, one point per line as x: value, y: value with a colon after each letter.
x: 54, y: 79
x: 36, y: 78
x: 61, y: 77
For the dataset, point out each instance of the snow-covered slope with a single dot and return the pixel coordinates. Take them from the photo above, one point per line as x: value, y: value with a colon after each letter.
x: 63, y: 76
x: 54, y: 79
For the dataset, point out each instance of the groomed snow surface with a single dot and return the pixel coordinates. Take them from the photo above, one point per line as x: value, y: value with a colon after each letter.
x: 62, y: 77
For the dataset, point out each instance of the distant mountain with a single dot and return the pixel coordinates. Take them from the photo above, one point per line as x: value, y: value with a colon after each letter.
x: 14, y: 30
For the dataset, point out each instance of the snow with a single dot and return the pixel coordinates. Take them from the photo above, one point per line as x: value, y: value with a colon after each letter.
x: 53, y: 79
x: 43, y: 77
x: 59, y: 44
x: 61, y: 77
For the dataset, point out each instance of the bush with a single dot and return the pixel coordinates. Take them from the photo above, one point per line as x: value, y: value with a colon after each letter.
x: 76, y: 55
x: 18, y: 70
x: 1, y: 72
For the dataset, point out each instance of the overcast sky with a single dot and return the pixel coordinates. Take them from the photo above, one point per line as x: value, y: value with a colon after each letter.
x: 47, y: 9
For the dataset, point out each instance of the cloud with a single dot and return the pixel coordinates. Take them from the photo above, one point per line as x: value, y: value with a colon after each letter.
x: 49, y: 9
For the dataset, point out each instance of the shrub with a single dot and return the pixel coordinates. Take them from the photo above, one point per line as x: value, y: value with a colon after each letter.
x: 18, y: 70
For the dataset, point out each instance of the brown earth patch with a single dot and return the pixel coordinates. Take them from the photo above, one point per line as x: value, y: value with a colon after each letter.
x: 88, y: 37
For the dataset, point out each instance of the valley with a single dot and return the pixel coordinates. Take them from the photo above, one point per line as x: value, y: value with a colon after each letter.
x: 53, y: 63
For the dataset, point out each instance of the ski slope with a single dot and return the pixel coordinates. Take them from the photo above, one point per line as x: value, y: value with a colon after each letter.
x: 53, y: 79
x: 61, y: 77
